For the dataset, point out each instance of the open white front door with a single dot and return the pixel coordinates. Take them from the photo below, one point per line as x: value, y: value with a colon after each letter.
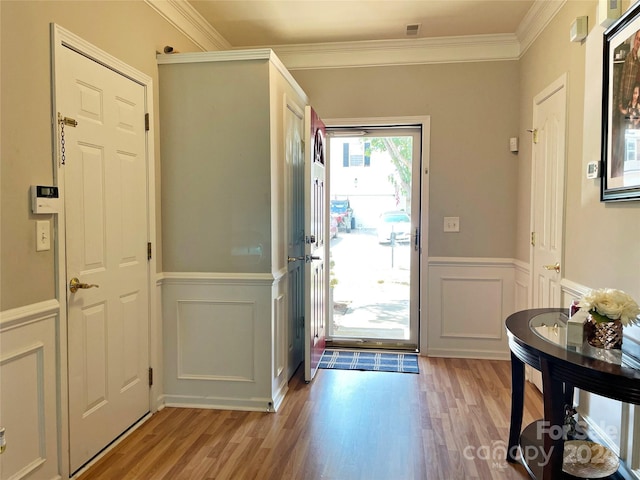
x: 315, y: 243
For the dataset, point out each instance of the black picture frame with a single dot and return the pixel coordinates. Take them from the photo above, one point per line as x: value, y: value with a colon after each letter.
x: 620, y: 110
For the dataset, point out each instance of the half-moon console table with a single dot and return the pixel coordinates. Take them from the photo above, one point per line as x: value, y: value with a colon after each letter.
x: 537, y: 337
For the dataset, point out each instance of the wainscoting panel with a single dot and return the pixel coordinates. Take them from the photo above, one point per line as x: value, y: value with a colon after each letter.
x: 522, y: 294
x: 222, y: 341
x: 28, y: 396
x: 210, y: 334
x: 483, y: 300
x: 468, y: 302
x: 280, y: 315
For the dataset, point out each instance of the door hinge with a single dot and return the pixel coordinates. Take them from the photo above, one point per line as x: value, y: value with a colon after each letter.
x: 148, y: 250
x: 533, y: 239
x: 146, y: 122
x: 150, y: 376
x: 534, y: 131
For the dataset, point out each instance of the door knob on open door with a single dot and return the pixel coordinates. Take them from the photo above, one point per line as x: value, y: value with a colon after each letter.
x: 75, y: 284
x: 555, y: 267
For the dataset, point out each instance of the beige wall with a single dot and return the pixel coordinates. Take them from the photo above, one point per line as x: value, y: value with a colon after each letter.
x: 474, y: 111
x: 601, y: 240
x: 128, y: 30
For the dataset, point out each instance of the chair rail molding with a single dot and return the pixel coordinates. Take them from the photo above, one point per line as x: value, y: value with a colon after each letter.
x: 23, y: 315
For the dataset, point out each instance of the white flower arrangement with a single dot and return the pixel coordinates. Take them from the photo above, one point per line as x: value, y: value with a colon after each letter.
x: 608, y: 304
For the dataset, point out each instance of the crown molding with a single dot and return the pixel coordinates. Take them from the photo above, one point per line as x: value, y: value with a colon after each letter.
x: 474, y: 48
x: 536, y: 20
x: 188, y: 21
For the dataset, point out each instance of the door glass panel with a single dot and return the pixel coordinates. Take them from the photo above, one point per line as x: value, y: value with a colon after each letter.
x: 374, y: 216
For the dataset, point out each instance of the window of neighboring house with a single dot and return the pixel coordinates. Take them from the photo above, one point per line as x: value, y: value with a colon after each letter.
x: 631, y: 150
x: 356, y: 155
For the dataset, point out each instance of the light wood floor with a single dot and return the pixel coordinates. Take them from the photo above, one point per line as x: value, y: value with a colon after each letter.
x: 448, y: 422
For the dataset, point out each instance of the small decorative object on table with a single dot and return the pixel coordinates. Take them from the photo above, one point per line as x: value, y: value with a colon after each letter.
x: 609, y: 311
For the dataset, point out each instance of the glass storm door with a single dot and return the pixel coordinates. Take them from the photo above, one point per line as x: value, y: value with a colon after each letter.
x: 375, y: 236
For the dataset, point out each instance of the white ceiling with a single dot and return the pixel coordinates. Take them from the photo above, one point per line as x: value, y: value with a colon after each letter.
x: 258, y: 23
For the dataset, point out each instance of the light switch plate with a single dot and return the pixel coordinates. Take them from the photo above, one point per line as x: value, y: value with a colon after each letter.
x: 451, y: 224
x: 43, y: 235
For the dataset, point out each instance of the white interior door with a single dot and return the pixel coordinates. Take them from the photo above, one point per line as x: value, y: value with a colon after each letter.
x: 547, y: 202
x: 548, y: 194
x: 294, y: 151
x: 316, y: 239
x: 105, y: 197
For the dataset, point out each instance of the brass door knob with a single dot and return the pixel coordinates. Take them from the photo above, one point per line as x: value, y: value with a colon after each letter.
x: 555, y: 267
x: 75, y: 284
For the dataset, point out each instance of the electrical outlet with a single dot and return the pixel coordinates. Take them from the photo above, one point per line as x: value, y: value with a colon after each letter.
x: 43, y: 236
x: 451, y: 224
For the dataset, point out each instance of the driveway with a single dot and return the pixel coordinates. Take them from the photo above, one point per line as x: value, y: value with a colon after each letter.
x: 371, y: 298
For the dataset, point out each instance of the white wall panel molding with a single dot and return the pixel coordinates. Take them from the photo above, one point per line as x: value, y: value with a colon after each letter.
x: 572, y: 289
x: 280, y: 318
x: 21, y: 316
x: 472, y: 262
x: 221, y: 341
x: 522, y: 290
x: 189, y: 22
x: 205, y: 278
x: 28, y: 392
x: 215, y: 340
x: 458, y: 319
x: 468, y: 302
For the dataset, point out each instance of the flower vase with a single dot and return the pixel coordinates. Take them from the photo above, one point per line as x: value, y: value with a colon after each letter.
x: 606, y: 334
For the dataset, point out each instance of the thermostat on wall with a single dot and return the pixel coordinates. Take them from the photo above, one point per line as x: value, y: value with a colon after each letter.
x: 593, y: 169
x: 44, y: 199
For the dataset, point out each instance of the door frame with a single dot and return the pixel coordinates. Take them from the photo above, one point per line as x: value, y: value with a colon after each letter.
x: 62, y: 38
x: 424, y: 122
x: 551, y: 89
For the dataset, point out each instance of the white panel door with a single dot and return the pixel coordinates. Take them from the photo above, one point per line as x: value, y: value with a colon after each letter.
x: 548, y: 194
x: 547, y: 202
x: 105, y: 188
x: 315, y: 243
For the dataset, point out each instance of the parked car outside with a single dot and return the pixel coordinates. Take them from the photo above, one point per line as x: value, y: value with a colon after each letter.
x: 333, y: 227
x: 343, y: 213
x: 397, y: 223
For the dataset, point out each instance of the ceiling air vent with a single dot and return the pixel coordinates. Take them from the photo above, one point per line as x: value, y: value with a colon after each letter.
x: 413, y: 30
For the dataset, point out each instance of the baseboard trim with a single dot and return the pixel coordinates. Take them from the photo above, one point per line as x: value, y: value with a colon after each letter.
x: 473, y: 354
x: 221, y: 403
